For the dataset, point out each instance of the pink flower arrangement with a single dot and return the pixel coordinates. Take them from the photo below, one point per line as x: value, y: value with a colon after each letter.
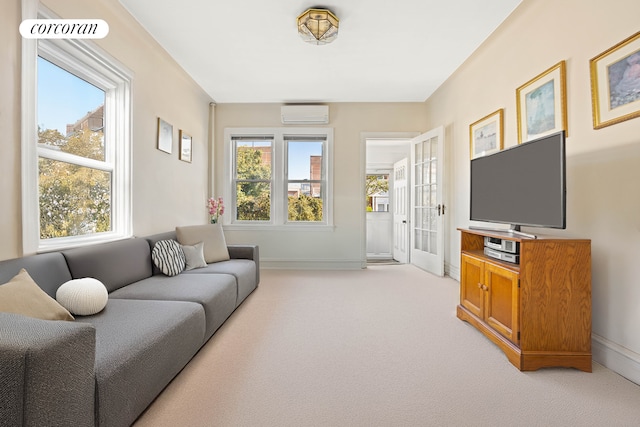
x: 216, y: 208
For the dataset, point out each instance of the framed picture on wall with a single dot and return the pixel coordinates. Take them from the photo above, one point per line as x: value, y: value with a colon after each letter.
x: 185, y: 146
x: 615, y: 83
x: 541, y: 104
x: 486, y: 134
x: 165, y: 136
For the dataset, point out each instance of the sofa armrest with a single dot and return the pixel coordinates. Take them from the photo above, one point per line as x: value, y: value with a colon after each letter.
x: 251, y: 252
x: 46, y: 372
x: 244, y: 252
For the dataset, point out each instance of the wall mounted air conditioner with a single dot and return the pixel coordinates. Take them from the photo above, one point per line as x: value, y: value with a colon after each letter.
x: 305, y: 114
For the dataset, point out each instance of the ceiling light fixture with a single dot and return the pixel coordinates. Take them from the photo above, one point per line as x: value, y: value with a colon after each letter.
x: 318, y: 26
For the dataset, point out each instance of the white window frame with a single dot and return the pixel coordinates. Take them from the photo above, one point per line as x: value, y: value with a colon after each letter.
x: 279, y: 200
x: 87, y: 61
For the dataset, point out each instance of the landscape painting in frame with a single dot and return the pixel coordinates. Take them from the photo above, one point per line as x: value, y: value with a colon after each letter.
x: 542, y: 104
x: 485, y: 135
x: 615, y: 83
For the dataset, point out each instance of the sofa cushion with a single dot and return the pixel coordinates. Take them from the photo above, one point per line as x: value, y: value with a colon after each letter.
x: 140, y: 347
x: 169, y: 257
x: 215, y: 292
x: 215, y: 246
x: 243, y: 270
x: 21, y: 295
x: 116, y: 264
x: 194, y: 255
x: 83, y: 296
x: 48, y: 270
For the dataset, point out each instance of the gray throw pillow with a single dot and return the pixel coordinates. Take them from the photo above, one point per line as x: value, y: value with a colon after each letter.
x: 194, y: 256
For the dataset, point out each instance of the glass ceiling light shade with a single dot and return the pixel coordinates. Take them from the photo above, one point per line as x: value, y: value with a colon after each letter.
x: 318, y: 26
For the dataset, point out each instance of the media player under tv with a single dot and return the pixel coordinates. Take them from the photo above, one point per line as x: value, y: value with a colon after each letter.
x: 502, y: 245
x: 503, y: 256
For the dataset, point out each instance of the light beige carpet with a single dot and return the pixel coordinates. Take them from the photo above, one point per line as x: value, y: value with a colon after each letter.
x: 374, y: 347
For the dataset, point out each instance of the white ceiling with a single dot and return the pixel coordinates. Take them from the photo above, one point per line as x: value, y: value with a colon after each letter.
x: 386, y: 51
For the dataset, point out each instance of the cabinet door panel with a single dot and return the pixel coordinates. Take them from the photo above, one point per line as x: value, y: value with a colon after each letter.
x: 502, y: 309
x: 471, y: 293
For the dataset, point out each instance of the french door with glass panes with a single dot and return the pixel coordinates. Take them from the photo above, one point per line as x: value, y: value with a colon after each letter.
x: 427, y: 208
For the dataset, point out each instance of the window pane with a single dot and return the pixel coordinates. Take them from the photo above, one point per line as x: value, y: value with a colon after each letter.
x: 305, y: 160
x: 377, y: 187
x: 74, y: 200
x: 303, y: 206
x: 253, y: 201
x: 417, y: 239
x: 70, y: 113
x: 253, y: 160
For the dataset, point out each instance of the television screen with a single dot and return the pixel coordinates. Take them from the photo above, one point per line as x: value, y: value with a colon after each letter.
x: 522, y: 185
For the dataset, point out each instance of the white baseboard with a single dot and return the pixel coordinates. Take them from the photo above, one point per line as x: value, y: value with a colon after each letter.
x: 617, y: 358
x: 452, y: 271
x: 312, y: 264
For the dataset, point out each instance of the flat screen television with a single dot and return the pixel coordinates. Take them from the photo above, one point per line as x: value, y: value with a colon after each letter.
x: 524, y: 185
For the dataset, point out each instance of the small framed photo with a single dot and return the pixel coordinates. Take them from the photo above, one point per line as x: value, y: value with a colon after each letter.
x: 541, y: 104
x: 165, y: 136
x: 486, y: 135
x: 185, y: 146
x: 615, y: 83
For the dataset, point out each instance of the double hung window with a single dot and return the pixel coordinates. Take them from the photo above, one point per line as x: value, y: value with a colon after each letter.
x: 253, y: 178
x: 76, y: 146
x: 280, y: 177
x: 75, y: 173
x: 305, y: 178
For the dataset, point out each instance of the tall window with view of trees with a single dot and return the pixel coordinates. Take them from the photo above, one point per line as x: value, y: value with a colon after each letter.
x: 253, y: 179
x: 74, y: 172
x: 305, y: 177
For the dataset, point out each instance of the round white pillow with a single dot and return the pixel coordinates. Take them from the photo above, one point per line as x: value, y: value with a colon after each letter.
x: 83, y: 297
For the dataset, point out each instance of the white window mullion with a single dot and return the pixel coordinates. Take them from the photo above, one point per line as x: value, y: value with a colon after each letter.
x: 75, y: 160
x: 279, y: 181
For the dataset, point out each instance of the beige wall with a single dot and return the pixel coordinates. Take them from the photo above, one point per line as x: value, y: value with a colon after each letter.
x: 166, y: 191
x: 603, y: 165
x: 343, y: 245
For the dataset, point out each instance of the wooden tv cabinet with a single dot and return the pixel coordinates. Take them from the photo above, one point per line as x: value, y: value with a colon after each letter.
x: 538, y: 311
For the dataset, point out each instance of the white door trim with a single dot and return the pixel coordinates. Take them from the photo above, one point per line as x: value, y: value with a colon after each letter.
x: 364, y: 136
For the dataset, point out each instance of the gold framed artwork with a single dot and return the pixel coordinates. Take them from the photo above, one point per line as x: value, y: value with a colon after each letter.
x: 165, y: 136
x: 541, y: 104
x: 615, y: 83
x: 185, y: 146
x: 486, y: 134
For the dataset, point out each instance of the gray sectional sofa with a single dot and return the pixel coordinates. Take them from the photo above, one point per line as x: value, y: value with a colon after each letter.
x: 105, y: 369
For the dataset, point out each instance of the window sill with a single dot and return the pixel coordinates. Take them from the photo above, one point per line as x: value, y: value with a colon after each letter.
x: 59, y: 244
x: 298, y: 228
